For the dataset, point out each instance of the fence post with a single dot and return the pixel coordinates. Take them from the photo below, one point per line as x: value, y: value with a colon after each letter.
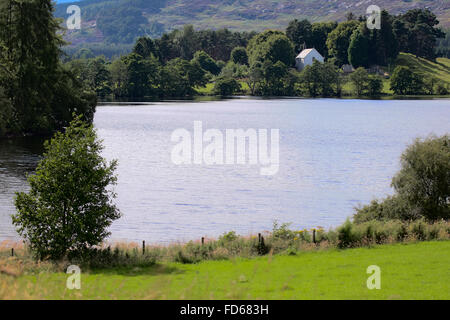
x: 314, y: 235
x: 12, y: 252
x: 203, y: 240
x: 143, y: 246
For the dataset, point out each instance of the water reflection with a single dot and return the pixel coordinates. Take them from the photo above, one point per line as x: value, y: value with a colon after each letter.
x: 18, y: 157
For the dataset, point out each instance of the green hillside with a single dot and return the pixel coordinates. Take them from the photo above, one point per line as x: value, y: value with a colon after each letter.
x: 439, y: 69
x: 121, y: 21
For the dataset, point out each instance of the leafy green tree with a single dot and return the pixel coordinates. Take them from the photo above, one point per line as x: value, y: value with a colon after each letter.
x: 274, y: 74
x: 179, y: 78
x: 142, y: 75
x: 119, y: 77
x: 319, y: 35
x: 404, y: 81
x: 195, y: 73
x: 424, y: 177
x: 174, y: 82
x: 279, y: 48
x: 300, y: 33
x: 422, y: 32
x: 385, y: 45
x: 338, y: 41
x: 374, y: 86
x: 320, y: 79
x: 206, y: 62
x: 69, y: 206
x: 226, y: 86
x: 271, y: 45
x: 401, y: 33
x: 145, y: 47
x: 187, y: 41
x: 233, y: 70
x: 358, y: 50
x: 254, y: 75
x: 391, y: 208
x: 422, y: 188
x: 239, y: 55
x: 93, y: 73
x: 360, y: 79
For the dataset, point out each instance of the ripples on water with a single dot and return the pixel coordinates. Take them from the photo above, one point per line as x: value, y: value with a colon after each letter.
x: 18, y: 157
x: 334, y: 155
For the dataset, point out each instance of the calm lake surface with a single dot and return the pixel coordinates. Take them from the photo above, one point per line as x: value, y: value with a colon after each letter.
x: 334, y: 155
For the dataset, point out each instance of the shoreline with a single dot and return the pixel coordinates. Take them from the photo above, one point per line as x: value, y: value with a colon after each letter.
x: 207, y: 98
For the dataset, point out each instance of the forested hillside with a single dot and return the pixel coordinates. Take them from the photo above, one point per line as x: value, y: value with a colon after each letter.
x: 122, y: 21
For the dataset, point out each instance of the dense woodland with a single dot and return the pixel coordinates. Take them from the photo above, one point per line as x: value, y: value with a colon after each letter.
x: 41, y: 88
x: 180, y: 62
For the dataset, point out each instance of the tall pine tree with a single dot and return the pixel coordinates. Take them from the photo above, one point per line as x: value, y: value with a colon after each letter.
x: 43, y: 95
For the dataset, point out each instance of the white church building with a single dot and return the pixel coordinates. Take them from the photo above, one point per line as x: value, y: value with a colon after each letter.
x: 307, y: 57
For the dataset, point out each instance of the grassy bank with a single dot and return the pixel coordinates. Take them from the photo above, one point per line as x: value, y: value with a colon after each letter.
x: 408, y: 271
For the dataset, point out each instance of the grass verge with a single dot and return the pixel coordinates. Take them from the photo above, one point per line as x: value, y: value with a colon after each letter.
x: 418, y: 270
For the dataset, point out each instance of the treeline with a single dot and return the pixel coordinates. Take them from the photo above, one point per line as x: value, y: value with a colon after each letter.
x: 352, y: 42
x: 38, y: 95
x: 182, y: 61
x: 172, y: 65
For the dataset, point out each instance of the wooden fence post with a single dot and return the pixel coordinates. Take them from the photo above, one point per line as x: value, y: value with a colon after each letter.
x: 314, y: 235
x: 143, y: 246
x: 203, y: 240
x: 12, y: 252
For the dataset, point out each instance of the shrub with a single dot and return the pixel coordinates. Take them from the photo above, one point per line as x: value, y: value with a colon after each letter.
x: 69, y: 205
x: 228, y: 237
x: 346, y: 235
x: 282, y: 231
x: 393, y: 207
x: 422, y: 185
x: 424, y: 178
x: 226, y: 86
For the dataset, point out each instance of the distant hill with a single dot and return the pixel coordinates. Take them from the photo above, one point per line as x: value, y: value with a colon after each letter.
x: 121, y: 21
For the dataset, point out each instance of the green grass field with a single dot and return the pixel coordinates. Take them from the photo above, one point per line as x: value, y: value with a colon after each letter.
x: 408, y: 271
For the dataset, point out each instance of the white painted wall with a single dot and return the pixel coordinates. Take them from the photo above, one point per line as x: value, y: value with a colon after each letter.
x: 308, y: 60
